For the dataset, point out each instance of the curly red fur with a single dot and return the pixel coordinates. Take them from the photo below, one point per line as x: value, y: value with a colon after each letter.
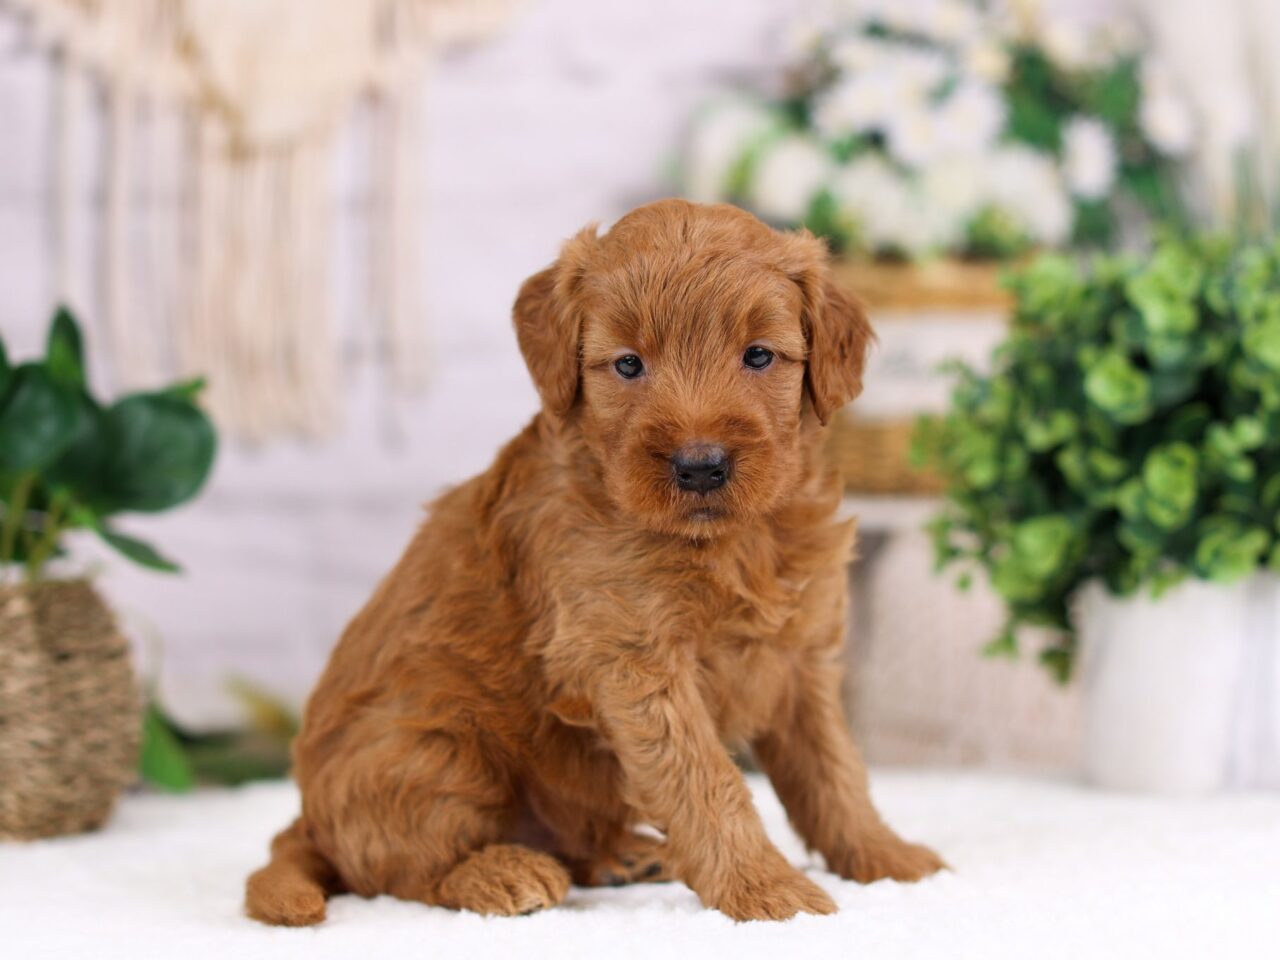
x: 571, y: 640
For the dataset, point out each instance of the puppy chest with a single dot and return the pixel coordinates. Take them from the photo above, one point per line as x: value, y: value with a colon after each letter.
x: 745, y: 683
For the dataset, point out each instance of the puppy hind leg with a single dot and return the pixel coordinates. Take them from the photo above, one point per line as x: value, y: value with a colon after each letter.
x: 437, y: 837
x: 489, y: 877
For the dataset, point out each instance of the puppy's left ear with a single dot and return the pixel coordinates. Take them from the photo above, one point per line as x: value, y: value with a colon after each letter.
x: 836, y: 329
x: 549, y: 328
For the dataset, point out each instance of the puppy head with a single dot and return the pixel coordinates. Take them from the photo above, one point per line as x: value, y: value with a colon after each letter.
x: 689, y: 345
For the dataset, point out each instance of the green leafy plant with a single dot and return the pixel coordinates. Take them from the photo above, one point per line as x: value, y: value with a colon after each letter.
x: 1128, y: 433
x: 68, y: 462
x: 177, y: 759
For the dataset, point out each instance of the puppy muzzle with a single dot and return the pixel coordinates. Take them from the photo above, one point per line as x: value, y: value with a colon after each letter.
x: 701, y: 468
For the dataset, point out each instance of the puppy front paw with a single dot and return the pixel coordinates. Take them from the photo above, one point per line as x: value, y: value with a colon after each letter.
x: 886, y: 857
x: 771, y: 891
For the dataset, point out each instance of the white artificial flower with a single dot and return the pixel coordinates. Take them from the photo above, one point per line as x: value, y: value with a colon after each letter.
x: 901, y: 15
x: 966, y: 122
x: 956, y: 187
x: 971, y: 118
x: 1120, y: 36
x: 789, y: 174
x: 955, y: 21
x: 1089, y: 158
x: 862, y: 181
x: 931, y: 229
x: 1008, y: 21
x: 918, y: 72
x: 1163, y: 115
x: 1020, y: 17
x: 1025, y: 185
x: 897, y: 83
x: 855, y: 104
x: 946, y: 21
x: 887, y: 211
x: 800, y: 38
x: 855, y: 54
x: 1167, y: 122
x: 915, y: 136
x: 987, y: 60
x: 1077, y: 36
x: 718, y: 142
x: 873, y: 198
x: 1066, y: 42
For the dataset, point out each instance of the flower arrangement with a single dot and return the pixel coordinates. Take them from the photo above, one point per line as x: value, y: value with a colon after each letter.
x: 1129, y: 433
x: 68, y: 462
x: 921, y: 127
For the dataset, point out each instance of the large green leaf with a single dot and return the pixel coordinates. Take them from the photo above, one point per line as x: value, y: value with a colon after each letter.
x: 6, y: 373
x: 82, y: 466
x: 1116, y: 386
x: 1169, y: 479
x: 1045, y: 433
x: 37, y: 420
x: 1030, y: 97
x: 162, y: 447
x: 1115, y: 93
x: 1039, y: 549
x: 1058, y: 660
x: 163, y: 762
x: 1262, y: 342
x: 187, y: 390
x: 65, y: 355
x: 139, y: 551
x: 1229, y: 551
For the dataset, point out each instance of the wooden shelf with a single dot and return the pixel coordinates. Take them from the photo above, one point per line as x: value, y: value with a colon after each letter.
x: 955, y: 286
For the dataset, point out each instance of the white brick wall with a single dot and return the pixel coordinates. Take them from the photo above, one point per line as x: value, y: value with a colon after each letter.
x: 570, y: 115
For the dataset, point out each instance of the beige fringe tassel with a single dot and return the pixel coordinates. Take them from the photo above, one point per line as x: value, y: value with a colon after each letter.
x: 215, y: 249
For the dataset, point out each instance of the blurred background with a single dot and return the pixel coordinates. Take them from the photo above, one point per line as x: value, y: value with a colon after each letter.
x: 410, y: 186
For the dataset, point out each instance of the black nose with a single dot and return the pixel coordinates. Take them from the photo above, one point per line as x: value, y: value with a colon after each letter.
x: 700, y: 469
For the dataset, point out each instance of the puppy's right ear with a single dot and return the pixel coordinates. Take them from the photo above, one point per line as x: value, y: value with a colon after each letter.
x: 549, y: 327
x: 835, y: 327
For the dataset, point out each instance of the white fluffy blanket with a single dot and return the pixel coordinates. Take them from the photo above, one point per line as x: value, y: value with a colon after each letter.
x: 1042, y: 870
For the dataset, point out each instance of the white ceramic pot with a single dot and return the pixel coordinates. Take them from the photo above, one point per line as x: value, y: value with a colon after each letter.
x: 1182, y: 694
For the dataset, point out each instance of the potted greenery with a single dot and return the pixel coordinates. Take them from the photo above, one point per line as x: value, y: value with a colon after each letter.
x: 1117, y: 476
x: 70, y: 711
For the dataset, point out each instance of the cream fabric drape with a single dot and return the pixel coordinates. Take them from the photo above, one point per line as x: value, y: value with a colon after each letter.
x: 221, y: 118
x: 1224, y: 55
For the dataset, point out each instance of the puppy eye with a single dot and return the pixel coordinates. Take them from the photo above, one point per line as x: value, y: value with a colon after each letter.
x: 629, y: 367
x: 757, y: 358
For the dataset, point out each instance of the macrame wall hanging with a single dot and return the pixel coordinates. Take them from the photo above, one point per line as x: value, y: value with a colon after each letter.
x: 221, y: 119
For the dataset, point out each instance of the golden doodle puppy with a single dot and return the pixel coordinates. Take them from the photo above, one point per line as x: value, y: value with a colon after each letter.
x: 651, y: 570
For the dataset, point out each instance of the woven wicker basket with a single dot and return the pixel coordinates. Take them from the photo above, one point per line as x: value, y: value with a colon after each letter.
x: 933, y: 285
x: 70, y: 712
x: 874, y: 454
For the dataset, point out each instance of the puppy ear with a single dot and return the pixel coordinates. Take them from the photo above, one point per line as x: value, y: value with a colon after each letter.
x: 836, y: 329
x: 548, y: 327
x: 839, y: 336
